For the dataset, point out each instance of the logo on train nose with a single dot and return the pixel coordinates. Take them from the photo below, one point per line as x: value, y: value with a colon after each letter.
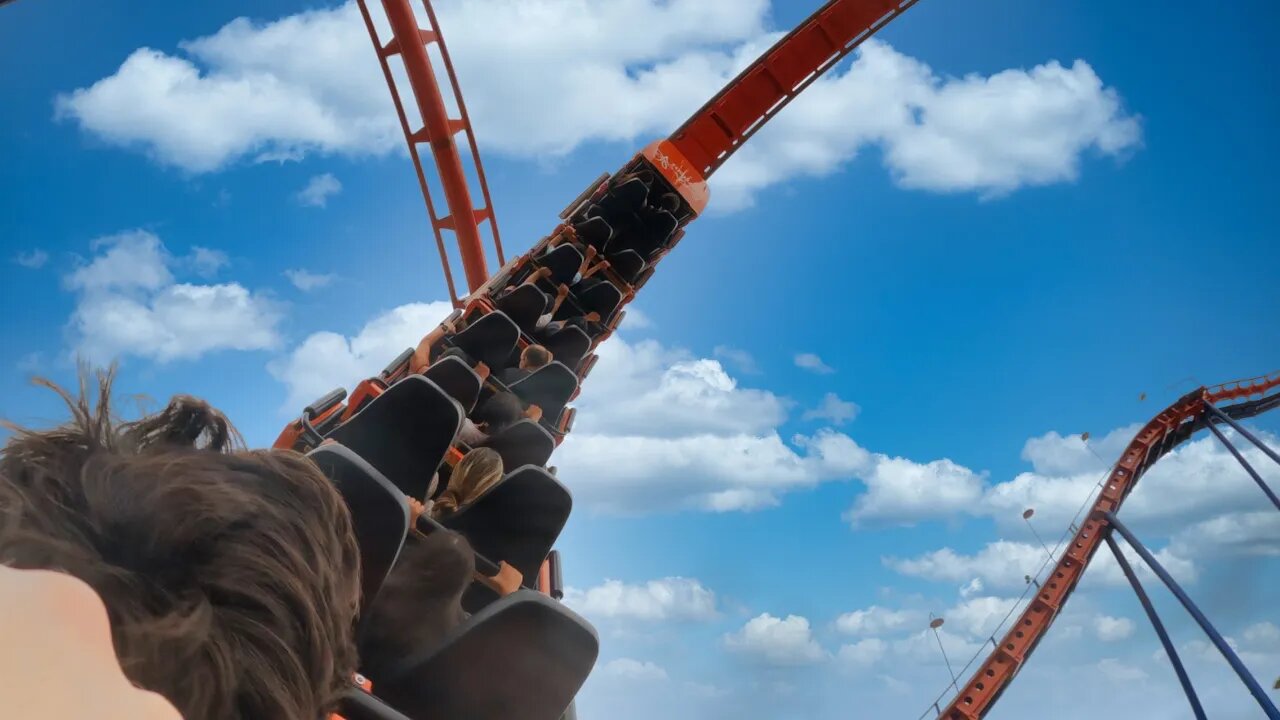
x: 676, y: 168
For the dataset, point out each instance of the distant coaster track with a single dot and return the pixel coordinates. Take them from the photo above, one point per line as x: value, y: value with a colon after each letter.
x: 1168, y: 429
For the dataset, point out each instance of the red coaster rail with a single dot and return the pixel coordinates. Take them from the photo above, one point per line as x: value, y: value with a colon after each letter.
x: 410, y: 42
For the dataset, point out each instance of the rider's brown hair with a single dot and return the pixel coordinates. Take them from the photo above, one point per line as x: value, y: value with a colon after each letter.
x: 231, y: 577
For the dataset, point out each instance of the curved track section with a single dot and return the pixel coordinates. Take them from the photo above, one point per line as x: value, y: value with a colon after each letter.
x: 771, y: 82
x: 1173, y: 426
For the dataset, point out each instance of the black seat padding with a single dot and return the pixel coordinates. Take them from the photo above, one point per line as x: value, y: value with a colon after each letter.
x: 522, y: 443
x: 524, y: 656
x: 524, y: 305
x: 379, y: 513
x: 568, y: 345
x: 628, y: 264
x: 626, y: 197
x: 404, y: 433
x: 549, y: 387
x: 458, y: 381
x: 489, y: 339
x: 517, y: 520
x: 602, y: 297
x: 564, y: 261
x: 595, y: 231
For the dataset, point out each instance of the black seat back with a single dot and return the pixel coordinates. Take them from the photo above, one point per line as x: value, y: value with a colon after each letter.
x: 564, y: 262
x: 517, y: 520
x: 601, y: 297
x: 549, y: 387
x: 594, y: 230
x: 458, y: 381
x: 490, y: 339
x: 524, y: 656
x: 624, y: 198
x: 628, y: 264
x: 568, y: 345
x: 404, y: 433
x: 524, y: 305
x: 522, y: 443
x: 379, y: 513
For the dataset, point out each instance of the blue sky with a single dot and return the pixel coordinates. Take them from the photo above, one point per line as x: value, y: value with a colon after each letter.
x: 993, y: 233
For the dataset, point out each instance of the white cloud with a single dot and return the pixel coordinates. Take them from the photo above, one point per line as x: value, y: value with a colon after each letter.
x: 32, y: 259
x: 326, y: 360
x: 862, y: 654
x: 1004, y: 565
x: 877, y: 620
x: 318, y: 190
x: 633, y: 474
x: 647, y: 389
x: 922, y: 647
x: 132, y: 260
x: 584, y: 73
x: 1197, y: 482
x: 628, y: 669
x: 833, y: 410
x: 777, y: 642
x: 1241, y: 534
x: 660, y: 429
x: 1119, y: 672
x: 307, y: 281
x: 904, y: 491
x: 979, y: 616
x: 129, y: 303
x: 671, y: 598
x: 1112, y: 629
x: 1263, y: 635
x: 971, y: 588
x: 635, y: 319
x: 813, y: 363
x: 206, y: 262
x: 740, y: 359
x: 311, y: 81
x: 987, y: 134
x: 1054, y: 454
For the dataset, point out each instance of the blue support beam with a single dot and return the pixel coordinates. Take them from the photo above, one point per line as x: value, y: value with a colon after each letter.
x: 1215, y: 637
x: 1169, y: 650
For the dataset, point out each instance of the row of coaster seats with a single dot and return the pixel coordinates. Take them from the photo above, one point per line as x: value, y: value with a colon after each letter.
x: 400, y: 426
x: 541, y: 651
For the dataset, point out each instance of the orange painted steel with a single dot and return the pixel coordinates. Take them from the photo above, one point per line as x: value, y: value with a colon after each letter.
x: 410, y: 42
x: 1241, y: 389
x: 976, y: 697
x: 771, y: 82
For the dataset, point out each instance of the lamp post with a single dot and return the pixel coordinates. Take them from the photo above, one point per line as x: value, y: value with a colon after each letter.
x: 1026, y: 517
x: 934, y: 624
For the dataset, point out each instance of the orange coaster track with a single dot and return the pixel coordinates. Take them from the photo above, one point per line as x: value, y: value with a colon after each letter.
x: 1171, y: 427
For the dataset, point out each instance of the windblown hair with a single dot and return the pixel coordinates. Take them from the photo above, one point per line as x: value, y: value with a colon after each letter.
x: 230, y: 577
x: 535, y: 357
x: 419, y: 603
x: 478, y: 471
x: 498, y: 412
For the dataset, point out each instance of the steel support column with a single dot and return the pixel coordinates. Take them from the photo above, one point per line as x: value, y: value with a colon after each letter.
x: 1228, y: 654
x: 1159, y: 628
